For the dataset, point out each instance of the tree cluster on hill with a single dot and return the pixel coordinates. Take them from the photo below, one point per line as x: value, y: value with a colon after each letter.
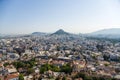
x: 65, y: 68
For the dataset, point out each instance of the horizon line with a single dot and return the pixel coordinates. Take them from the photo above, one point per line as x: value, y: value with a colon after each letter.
x: 55, y: 31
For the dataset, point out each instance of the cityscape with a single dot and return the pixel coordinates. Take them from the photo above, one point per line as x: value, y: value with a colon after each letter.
x: 59, y: 56
x: 59, y: 39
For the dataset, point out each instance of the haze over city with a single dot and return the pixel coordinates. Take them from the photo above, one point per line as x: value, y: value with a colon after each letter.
x: 76, y: 16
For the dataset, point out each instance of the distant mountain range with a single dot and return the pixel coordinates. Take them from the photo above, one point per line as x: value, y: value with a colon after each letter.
x: 2, y: 35
x: 112, y: 31
x: 58, y: 32
x: 106, y: 33
x: 39, y: 33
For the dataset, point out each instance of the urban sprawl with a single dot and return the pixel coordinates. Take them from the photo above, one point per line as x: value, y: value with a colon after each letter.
x: 58, y: 57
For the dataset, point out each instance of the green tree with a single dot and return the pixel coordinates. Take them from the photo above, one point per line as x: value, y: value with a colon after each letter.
x: 66, y: 68
x: 80, y: 74
x: 19, y: 64
x: 106, y: 57
x: 43, y: 69
x: 21, y: 77
x: 55, y: 68
x: 5, y: 64
x: 64, y: 78
x: 58, y: 48
x: 87, y: 77
x: 95, y: 78
x: 30, y: 70
x: 47, y: 67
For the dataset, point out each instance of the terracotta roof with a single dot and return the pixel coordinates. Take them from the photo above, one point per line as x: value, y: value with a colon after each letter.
x: 1, y: 55
x: 11, y: 76
x: 1, y: 77
x: 1, y: 64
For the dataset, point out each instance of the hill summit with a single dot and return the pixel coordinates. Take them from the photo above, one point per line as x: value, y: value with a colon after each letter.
x: 60, y: 32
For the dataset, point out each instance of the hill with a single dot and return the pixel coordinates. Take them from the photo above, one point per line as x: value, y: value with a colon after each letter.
x: 39, y: 33
x: 107, y: 33
x: 61, y: 32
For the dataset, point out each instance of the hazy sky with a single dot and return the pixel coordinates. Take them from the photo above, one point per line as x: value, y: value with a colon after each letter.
x: 76, y: 16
